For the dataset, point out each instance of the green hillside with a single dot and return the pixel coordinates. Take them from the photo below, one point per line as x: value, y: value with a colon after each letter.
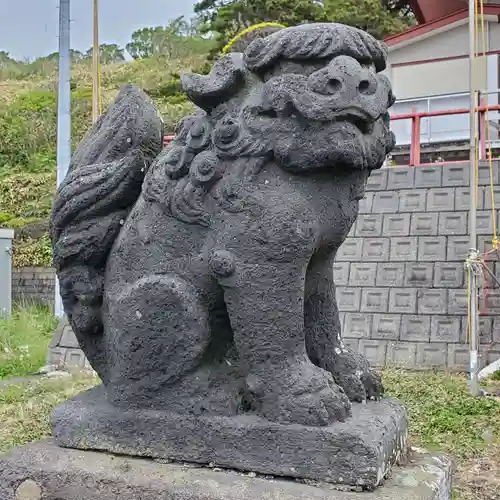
x: 28, y: 118
x: 28, y: 91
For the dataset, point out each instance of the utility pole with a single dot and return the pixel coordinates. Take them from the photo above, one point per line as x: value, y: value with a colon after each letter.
x: 63, y: 112
x: 96, y: 98
x: 473, y: 252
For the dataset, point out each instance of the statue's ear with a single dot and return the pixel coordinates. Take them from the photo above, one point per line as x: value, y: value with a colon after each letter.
x: 223, y: 81
x: 392, y: 99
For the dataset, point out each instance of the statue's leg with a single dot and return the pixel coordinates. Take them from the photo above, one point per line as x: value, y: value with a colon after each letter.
x: 265, y: 301
x: 324, y: 344
x: 157, y: 330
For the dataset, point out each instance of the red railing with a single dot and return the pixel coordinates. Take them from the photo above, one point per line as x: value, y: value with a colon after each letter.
x: 416, y: 118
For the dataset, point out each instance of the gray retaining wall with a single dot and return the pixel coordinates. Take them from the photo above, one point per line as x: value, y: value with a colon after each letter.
x: 400, y: 275
x: 33, y: 284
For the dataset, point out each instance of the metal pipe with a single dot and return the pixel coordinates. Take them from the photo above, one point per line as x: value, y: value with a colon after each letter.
x: 95, y: 64
x: 444, y: 112
x: 473, y: 253
x: 63, y: 113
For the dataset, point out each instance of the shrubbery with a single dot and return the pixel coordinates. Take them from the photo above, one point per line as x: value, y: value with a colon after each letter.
x: 28, y: 135
x: 28, y: 94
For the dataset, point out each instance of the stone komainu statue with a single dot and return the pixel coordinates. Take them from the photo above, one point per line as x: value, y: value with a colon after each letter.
x: 198, y: 277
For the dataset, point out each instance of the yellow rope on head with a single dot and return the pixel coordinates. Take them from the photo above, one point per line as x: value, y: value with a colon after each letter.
x: 254, y: 27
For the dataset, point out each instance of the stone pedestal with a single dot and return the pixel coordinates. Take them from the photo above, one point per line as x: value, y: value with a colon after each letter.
x: 358, y: 452
x: 46, y: 471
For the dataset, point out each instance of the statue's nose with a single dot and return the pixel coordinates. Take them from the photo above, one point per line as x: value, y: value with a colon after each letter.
x: 344, y: 76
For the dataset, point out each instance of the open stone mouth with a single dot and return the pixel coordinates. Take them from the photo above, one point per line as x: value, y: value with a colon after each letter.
x: 366, y: 126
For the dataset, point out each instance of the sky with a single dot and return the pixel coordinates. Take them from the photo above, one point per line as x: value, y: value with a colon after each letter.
x: 29, y: 28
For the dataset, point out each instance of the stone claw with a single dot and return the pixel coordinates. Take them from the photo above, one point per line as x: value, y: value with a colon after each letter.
x: 372, y: 383
x: 353, y: 373
x: 305, y: 395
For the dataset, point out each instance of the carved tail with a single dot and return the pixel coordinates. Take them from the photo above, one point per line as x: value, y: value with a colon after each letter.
x: 103, y: 183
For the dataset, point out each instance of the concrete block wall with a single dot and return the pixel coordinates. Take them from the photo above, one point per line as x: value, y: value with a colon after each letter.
x: 33, y: 284
x: 64, y: 351
x: 400, y: 276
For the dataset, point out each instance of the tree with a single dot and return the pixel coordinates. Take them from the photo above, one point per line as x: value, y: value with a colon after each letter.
x: 400, y: 6
x: 161, y: 40
x: 379, y: 17
x: 144, y: 43
x: 226, y: 18
x: 75, y: 56
x: 108, y: 53
x: 5, y: 59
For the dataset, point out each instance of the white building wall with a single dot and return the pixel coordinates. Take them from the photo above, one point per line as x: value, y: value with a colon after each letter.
x: 441, y: 83
x: 434, y: 78
x: 451, y: 43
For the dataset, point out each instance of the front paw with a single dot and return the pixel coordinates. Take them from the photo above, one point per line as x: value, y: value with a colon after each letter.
x: 302, y: 394
x: 354, y: 374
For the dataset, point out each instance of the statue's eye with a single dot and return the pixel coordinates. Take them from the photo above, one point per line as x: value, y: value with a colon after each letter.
x: 368, y: 65
x: 269, y: 113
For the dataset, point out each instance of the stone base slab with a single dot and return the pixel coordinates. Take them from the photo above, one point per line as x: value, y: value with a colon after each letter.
x: 46, y: 471
x: 358, y: 452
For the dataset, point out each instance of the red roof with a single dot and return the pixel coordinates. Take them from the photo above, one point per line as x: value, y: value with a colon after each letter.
x: 431, y: 8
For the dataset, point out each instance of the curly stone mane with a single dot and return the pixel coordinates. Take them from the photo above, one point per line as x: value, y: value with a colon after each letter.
x: 213, y: 148
x: 324, y: 41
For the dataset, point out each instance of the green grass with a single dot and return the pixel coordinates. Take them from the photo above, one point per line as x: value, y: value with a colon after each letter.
x: 24, y: 339
x: 25, y: 408
x: 443, y: 416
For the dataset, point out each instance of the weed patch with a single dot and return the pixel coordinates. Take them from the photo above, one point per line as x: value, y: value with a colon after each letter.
x: 24, y: 339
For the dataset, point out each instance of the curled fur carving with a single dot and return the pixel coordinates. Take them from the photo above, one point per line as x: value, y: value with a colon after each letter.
x: 324, y: 41
x: 211, y: 149
x: 226, y: 136
x: 103, y: 183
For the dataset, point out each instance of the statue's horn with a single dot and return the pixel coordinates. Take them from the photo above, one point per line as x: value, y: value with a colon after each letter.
x: 225, y: 79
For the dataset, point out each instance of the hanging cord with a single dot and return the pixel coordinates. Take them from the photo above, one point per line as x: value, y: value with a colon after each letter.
x: 473, y: 264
